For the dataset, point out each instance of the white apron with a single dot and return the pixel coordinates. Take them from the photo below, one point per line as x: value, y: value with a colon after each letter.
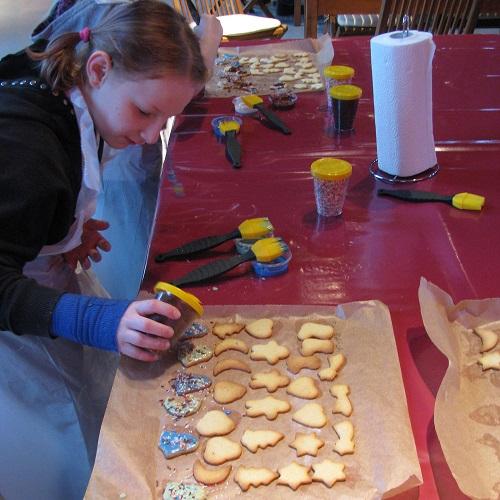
x: 53, y: 392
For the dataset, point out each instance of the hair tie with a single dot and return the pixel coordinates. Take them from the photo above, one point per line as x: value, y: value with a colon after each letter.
x: 85, y: 34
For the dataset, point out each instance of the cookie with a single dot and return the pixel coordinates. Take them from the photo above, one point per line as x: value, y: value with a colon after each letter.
x: 230, y: 364
x: 215, y: 423
x: 271, y: 352
x: 187, y: 491
x: 269, y: 406
x: 185, y: 383
x: 297, y: 363
x: 271, y: 380
x: 210, y: 476
x: 336, y: 362
x: 342, y: 403
x: 306, y: 444
x: 312, y: 346
x: 253, y: 440
x: 190, y: 354
x: 254, y: 476
x: 490, y: 360
x: 223, y: 330
x: 261, y: 328
x: 311, y: 415
x: 303, y: 387
x: 315, y: 330
x: 488, y: 334
x: 182, y: 406
x: 294, y: 475
x: 195, y: 331
x: 173, y: 443
x: 219, y: 450
x: 226, y: 392
x: 345, y: 431
x: 328, y: 472
x: 230, y: 345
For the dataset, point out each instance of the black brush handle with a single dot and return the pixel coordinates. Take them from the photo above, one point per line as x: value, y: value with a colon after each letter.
x: 273, y: 118
x: 233, y: 149
x: 414, y: 195
x: 198, y: 245
x: 213, y: 269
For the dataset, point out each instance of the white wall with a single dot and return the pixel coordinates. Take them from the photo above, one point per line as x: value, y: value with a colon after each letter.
x: 17, y: 20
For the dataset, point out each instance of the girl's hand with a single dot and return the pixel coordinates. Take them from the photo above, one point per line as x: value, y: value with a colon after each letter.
x: 209, y: 32
x: 91, y: 246
x: 138, y: 336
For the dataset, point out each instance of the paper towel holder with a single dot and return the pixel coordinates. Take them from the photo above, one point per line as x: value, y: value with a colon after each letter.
x: 405, y: 32
x: 393, y: 179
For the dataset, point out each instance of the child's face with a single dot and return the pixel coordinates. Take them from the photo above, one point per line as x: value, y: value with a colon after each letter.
x: 129, y: 112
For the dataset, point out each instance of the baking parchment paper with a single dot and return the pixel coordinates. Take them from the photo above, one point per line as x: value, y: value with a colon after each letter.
x: 384, y: 463
x: 320, y: 49
x: 467, y: 408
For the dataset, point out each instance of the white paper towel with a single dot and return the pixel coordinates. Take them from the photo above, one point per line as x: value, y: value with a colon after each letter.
x: 402, y: 95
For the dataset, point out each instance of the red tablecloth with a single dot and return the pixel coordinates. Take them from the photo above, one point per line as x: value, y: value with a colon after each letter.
x: 379, y: 248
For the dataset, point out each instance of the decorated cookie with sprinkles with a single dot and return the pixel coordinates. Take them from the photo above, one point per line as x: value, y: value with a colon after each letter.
x: 173, y: 443
x: 185, y: 383
x: 182, y: 406
x: 190, y: 354
x: 195, y: 331
x: 184, y: 491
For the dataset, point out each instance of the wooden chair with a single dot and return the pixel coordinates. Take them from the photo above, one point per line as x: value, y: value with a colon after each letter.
x: 236, y: 24
x: 437, y: 16
x: 315, y: 8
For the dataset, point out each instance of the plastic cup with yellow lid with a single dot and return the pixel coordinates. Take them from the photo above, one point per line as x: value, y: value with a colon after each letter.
x: 331, y: 180
x: 336, y: 75
x: 345, y: 99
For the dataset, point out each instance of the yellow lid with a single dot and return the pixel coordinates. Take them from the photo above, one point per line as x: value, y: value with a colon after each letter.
x: 346, y: 92
x: 331, y: 169
x: 190, y: 299
x: 339, y: 72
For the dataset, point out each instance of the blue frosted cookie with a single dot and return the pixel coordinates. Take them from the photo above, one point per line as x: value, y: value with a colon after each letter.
x: 184, y: 491
x: 182, y: 406
x: 174, y: 443
x: 185, y: 383
x: 195, y: 331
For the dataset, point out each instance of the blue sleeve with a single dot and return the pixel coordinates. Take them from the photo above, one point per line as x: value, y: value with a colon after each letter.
x: 87, y: 320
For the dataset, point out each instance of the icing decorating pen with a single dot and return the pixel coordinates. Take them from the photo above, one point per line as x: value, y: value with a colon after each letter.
x: 462, y: 201
x: 264, y: 250
x: 254, y: 101
x: 250, y: 229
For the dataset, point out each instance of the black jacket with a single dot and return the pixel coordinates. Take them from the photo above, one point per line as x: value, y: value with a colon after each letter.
x: 40, y: 177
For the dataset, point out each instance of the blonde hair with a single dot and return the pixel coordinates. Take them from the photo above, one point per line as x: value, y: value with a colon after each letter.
x: 145, y: 39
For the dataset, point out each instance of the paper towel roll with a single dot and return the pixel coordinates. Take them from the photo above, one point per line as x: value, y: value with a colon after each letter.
x: 402, y: 95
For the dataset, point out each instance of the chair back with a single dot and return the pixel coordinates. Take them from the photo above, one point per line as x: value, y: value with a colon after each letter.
x: 215, y: 7
x: 437, y: 16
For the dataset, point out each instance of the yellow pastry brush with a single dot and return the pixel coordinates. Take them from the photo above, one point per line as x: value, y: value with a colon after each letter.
x: 250, y: 229
x: 264, y: 250
x: 255, y: 101
x: 229, y: 129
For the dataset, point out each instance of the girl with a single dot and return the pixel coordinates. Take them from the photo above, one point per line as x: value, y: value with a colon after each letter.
x: 117, y: 82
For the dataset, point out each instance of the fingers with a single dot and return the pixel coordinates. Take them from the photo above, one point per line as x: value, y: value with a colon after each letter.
x: 104, y: 245
x: 137, y: 353
x: 96, y: 225
x: 153, y: 306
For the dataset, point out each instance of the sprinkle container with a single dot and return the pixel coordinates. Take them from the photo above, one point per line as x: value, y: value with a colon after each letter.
x: 345, y: 100
x: 331, y: 179
x: 336, y: 75
x: 188, y: 304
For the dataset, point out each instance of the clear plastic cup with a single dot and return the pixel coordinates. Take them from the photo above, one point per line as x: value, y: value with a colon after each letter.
x: 331, y: 179
x: 336, y: 75
x: 345, y: 99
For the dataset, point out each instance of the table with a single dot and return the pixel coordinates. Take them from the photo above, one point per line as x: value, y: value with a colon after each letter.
x: 379, y: 248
